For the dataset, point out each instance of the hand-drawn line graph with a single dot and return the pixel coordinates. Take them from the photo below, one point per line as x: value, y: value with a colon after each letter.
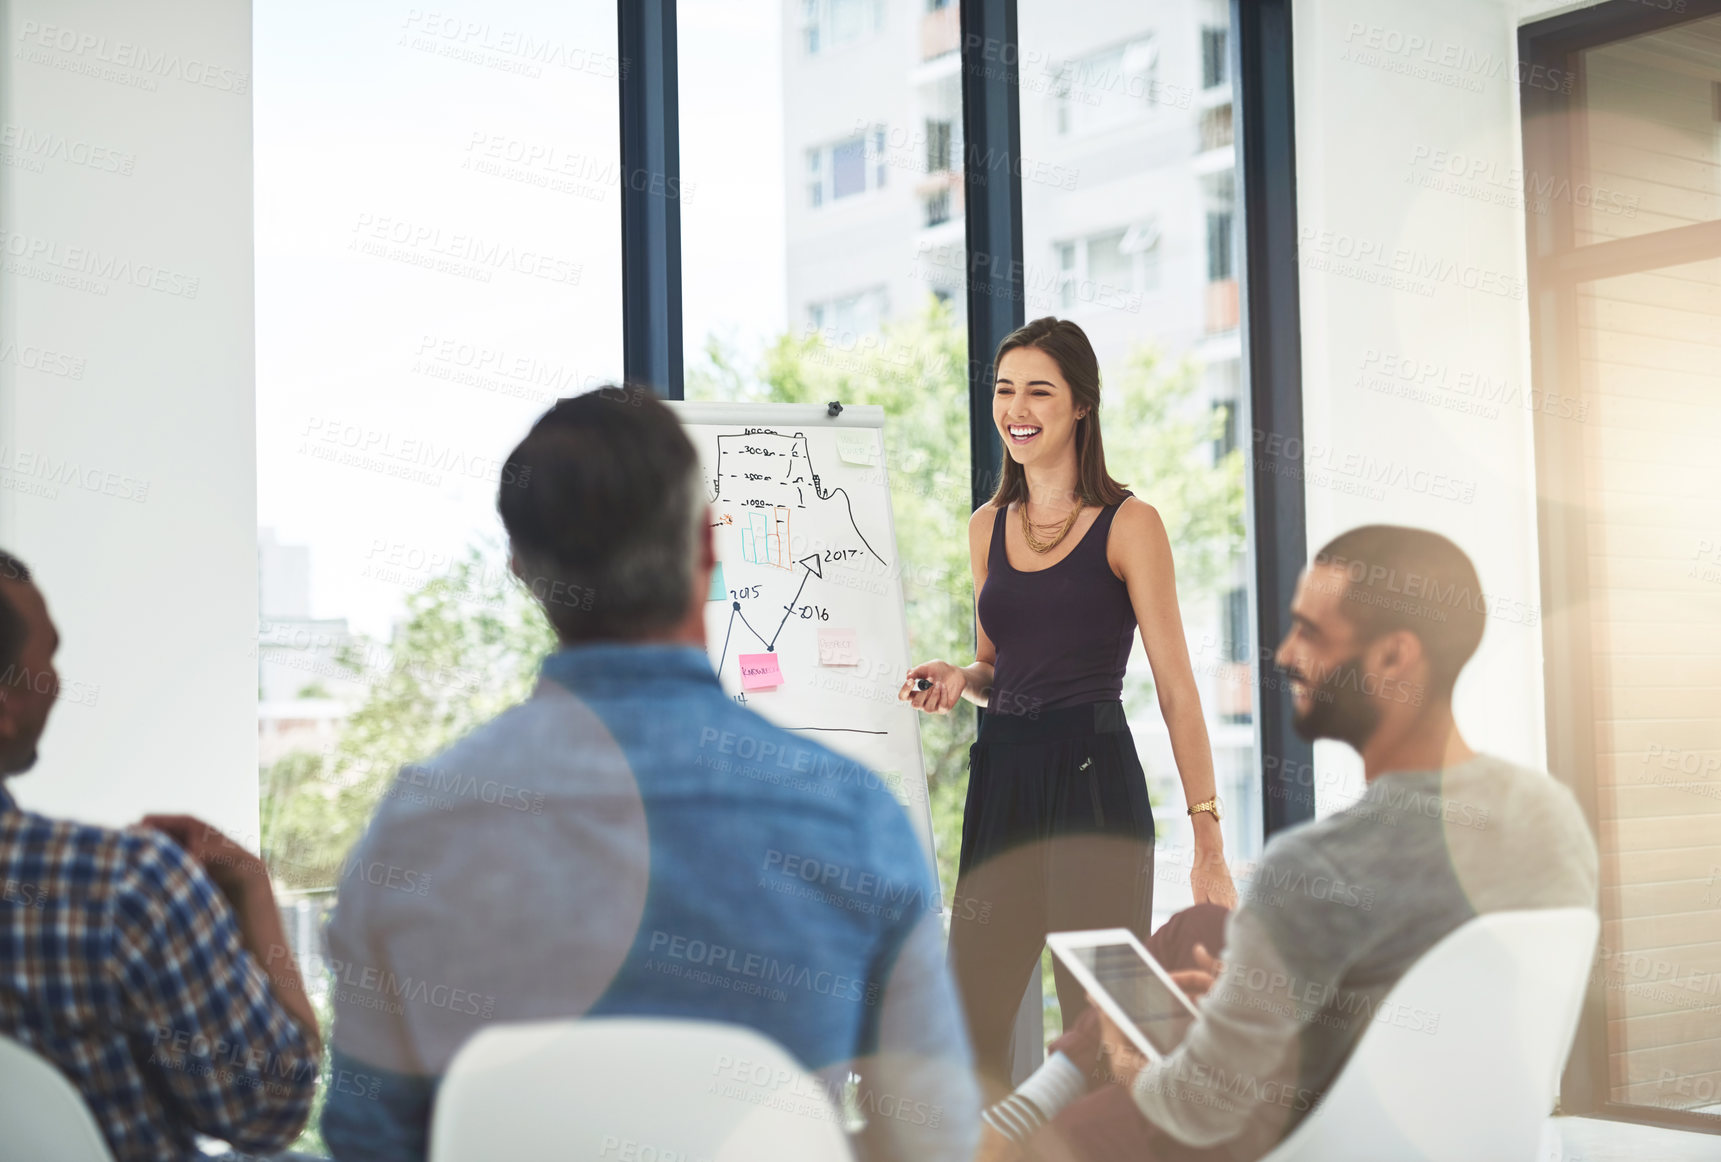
x: 774, y: 470
x: 811, y: 564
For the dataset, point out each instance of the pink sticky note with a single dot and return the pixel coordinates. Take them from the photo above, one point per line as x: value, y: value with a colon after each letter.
x: 760, y: 672
x: 837, y: 647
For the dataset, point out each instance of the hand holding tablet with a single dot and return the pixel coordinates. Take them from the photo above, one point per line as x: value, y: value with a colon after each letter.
x: 1198, y: 981
x: 1121, y: 1058
x: 1137, y: 999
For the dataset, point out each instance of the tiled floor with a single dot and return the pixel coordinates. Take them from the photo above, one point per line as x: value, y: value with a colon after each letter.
x: 1587, y: 1140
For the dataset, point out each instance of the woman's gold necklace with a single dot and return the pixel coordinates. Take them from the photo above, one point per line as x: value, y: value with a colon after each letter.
x: 1040, y: 546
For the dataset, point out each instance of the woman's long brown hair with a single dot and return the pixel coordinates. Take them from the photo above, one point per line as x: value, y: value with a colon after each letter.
x: 1069, y: 348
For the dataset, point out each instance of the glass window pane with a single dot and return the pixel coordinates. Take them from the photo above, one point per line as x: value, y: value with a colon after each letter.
x: 1105, y: 88
x: 859, y: 315
x: 1219, y: 228
x: 938, y: 139
x: 438, y: 258
x: 1148, y: 278
x: 1107, y: 263
x: 848, y: 168
x: 800, y: 302
x: 1651, y: 134
x: 1647, y: 348
x: 1215, y: 61
x: 849, y: 19
x: 1110, y: 115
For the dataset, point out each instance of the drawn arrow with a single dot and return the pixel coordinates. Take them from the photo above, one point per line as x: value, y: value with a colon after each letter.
x: 811, y: 564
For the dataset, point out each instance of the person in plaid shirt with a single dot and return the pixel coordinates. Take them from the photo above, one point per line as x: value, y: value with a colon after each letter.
x: 148, y: 965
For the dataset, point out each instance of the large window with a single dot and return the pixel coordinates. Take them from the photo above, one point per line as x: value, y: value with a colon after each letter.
x: 1622, y: 186
x: 458, y: 277
x: 824, y: 259
x: 822, y: 222
x: 438, y: 259
x: 1126, y: 225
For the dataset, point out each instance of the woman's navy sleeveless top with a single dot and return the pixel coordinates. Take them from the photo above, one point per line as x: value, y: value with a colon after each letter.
x: 1063, y: 634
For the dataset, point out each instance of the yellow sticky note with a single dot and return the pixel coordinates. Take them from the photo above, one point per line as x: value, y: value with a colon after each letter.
x: 858, y: 447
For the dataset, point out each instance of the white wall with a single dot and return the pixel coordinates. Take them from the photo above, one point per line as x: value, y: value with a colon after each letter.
x: 1409, y: 164
x: 127, y: 172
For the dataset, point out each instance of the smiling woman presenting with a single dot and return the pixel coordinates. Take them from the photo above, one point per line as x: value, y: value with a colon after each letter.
x: 1057, y: 832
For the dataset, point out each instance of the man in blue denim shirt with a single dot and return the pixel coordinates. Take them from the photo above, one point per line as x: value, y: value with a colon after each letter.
x: 630, y: 842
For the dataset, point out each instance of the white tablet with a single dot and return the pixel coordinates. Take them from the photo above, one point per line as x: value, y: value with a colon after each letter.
x: 1124, y: 980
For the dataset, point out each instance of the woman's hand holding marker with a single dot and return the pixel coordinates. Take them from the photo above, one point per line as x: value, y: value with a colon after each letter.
x: 935, y: 687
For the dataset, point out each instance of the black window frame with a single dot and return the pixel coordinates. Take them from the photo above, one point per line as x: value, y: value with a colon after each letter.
x: 1553, y: 49
x: 1259, y: 67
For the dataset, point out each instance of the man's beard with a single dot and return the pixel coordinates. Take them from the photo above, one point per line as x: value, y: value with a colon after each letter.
x: 19, y: 765
x: 1339, y: 709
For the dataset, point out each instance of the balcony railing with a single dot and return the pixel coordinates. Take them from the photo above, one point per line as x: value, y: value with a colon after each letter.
x: 938, y: 208
x: 1216, y: 127
x: 941, y: 197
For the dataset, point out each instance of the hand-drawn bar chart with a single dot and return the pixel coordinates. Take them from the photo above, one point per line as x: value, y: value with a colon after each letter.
x: 765, y: 537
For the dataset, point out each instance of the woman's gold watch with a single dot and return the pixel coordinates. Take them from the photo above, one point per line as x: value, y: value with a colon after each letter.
x: 1211, y: 805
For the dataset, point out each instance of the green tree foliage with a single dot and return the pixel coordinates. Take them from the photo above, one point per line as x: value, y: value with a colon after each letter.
x: 469, y: 648
x: 1160, y: 445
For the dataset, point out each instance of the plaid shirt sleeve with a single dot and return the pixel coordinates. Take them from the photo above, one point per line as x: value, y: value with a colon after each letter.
x: 224, y: 1055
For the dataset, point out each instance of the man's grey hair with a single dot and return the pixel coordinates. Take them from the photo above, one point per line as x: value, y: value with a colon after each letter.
x: 604, y: 502
x: 655, y: 567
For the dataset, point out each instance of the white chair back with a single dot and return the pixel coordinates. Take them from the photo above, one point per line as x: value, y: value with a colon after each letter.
x: 1462, y: 1059
x: 42, y: 1115
x: 601, y: 1090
